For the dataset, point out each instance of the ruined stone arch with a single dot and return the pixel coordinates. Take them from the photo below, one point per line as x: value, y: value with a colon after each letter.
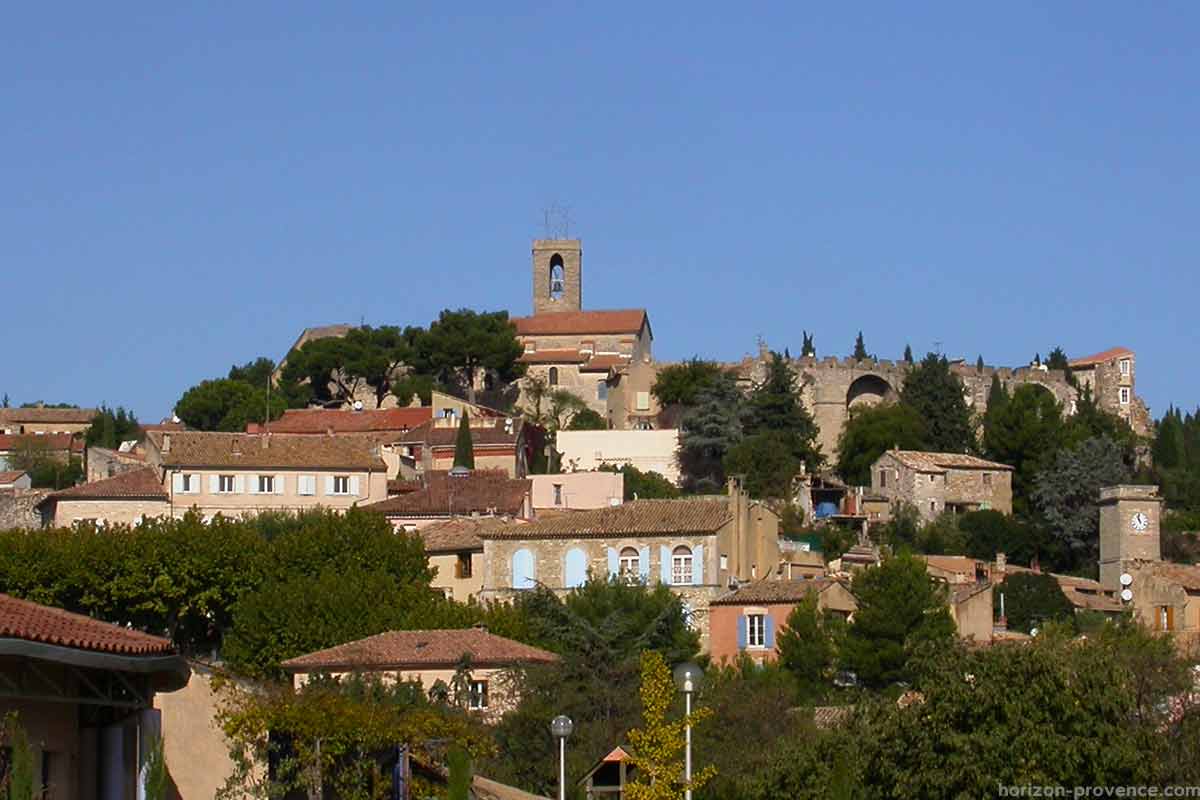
x: 870, y: 390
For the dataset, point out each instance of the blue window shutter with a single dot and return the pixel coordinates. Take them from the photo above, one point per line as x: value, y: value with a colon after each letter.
x: 644, y: 563
x: 574, y: 568
x: 522, y: 569
x: 770, y: 624
x: 742, y: 632
x: 664, y: 565
x: 612, y: 562
x: 698, y: 565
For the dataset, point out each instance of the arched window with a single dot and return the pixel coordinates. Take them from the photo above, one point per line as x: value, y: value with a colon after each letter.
x: 552, y: 379
x: 557, y: 277
x: 522, y: 570
x: 574, y: 568
x: 629, y: 563
x: 681, y: 566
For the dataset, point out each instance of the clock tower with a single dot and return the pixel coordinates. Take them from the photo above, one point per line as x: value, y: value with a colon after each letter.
x: 1129, y: 517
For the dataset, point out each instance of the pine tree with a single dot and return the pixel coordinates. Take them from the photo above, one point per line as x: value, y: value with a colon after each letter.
x: 808, y: 349
x: 464, y: 448
x: 709, y: 431
x: 860, y: 349
x: 908, y: 357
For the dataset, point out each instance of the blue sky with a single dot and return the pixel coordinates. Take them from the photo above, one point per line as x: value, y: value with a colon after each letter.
x: 183, y: 188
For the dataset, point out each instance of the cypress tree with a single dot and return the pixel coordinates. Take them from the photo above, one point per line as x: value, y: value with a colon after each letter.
x: 979, y: 364
x: 908, y: 358
x: 860, y: 349
x: 464, y: 448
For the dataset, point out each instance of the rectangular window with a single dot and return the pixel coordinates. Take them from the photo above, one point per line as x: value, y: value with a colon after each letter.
x: 1124, y: 396
x: 530, y: 347
x: 1124, y: 366
x: 601, y: 390
x: 558, y: 500
x: 341, y: 484
x: 883, y: 479
x: 756, y: 630
x: 643, y: 401
x: 681, y: 569
x: 933, y: 506
x: 189, y: 484
x: 306, y: 484
x: 629, y: 563
x: 226, y: 484
x: 266, y: 484
x: 724, y: 561
x: 479, y: 695
x: 1166, y: 618
x: 932, y: 478
x: 987, y: 479
x: 463, y: 568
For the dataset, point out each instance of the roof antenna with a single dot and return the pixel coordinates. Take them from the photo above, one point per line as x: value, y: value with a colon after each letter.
x: 556, y: 221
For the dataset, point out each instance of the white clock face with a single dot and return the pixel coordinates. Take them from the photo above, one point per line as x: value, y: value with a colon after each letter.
x: 1140, y: 522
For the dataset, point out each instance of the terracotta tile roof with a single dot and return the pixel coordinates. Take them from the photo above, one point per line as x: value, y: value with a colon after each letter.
x: 137, y: 483
x: 263, y: 451
x: 162, y: 426
x: 321, y: 420
x: 461, y: 533
x: 493, y: 433
x: 1083, y: 593
x: 47, y: 415
x: 567, y: 323
x: 1186, y: 575
x: 421, y: 649
x: 961, y: 564
x: 1101, y: 358
x: 553, y: 357
x: 11, y: 477
x: 603, y: 363
x: 768, y: 591
x: 22, y: 619
x: 940, y: 462
x: 639, y: 517
x: 831, y: 716
x: 481, y: 492
x: 51, y: 441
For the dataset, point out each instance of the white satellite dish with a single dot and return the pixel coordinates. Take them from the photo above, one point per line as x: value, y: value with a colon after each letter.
x: 1126, y: 579
x: 1033, y: 631
x: 1126, y: 595
x: 358, y: 405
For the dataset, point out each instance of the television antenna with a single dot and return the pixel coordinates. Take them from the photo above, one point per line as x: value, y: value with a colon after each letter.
x: 556, y: 221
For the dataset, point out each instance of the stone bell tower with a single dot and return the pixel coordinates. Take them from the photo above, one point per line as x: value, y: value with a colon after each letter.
x: 557, y: 275
x: 1129, y: 517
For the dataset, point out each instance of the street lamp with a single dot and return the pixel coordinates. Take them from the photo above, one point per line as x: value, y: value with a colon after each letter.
x: 560, y: 728
x: 687, y: 678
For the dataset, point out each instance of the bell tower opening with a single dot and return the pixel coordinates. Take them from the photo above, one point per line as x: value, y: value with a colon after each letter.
x: 557, y: 275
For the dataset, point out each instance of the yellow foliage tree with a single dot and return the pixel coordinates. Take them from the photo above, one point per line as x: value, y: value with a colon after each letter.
x: 658, y: 745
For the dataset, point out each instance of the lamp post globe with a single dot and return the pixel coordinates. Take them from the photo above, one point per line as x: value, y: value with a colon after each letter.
x: 561, y: 726
x: 688, y: 677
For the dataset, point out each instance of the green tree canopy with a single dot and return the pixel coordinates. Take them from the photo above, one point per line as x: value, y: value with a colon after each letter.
x: 870, y: 432
x: 643, y: 485
x: 1031, y: 599
x: 709, y: 431
x: 255, y: 373
x: 899, y: 606
x: 908, y: 355
x: 860, y: 349
x: 227, y: 405
x: 460, y: 345
x: 587, y: 419
x: 1025, y: 432
x: 682, y: 384
x: 936, y: 394
x: 807, y: 646
x: 109, y: 428
x: 1067, y: 494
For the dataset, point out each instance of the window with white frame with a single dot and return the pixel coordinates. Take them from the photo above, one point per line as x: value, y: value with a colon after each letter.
x: 987, y: 479
x: 643, y: 401
x: 756, y: 630
x: 341, y: 484
x: 266, y: 484
x: 629, y: 563
x: 681, y: 566
x: 226, y: 484
x: 306, y: 484
x: 724, y: 561
x: 1124, y: 395
x: 189, y: 483
x: 1124, y: 364
x: 558, y: 494
x: 479, y: 695
x: 530, y: 347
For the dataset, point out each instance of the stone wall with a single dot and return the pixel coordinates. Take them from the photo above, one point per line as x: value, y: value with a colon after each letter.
x: 569, y: 252
x: 108, y: 512
x: 17, y: 508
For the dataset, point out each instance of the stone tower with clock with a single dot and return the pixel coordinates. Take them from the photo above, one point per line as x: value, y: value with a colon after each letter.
x: 1129, y: 517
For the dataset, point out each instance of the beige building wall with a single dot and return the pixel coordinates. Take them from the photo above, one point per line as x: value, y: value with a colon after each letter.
x: 631, y: 401
x: 450, y: 578
x: 973, y: 616
x: 654, y: 451
x: 51, y: 727
x: 366, y: 487
x: 107, y: 512
x: 194, y: 747
x: 578, y: 490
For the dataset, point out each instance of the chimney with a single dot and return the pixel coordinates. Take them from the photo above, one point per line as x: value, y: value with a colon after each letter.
x: 1001, y: 565
x: 166, y: 444
x: 237, y: 446
x: 266, y: 440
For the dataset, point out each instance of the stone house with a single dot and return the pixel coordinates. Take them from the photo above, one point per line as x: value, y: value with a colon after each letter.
x: 1110, y: 377
x: 126, y: 499
x: 649, y: 451
x: 441, y: 495
x: 455, y: 551
x: 632, y: 406
x: 747, y: 620
x: 798, y: 561
x: 61, y: 447
x: 695, y: 546
x: 237, y: 473
x: 430, y: 658
x: 105, y: 462
x: 577, y: 350
x: 937, y: 482
x: 576, y: 491
x: 39, y: 421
